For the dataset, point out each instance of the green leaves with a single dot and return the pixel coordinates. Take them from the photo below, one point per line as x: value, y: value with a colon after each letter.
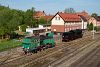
x: 42, y: 20
x: 69, y: 10
x: 94, y: 15
x: 10, y: 19
x: 90, y: 26
x: 29, y: 19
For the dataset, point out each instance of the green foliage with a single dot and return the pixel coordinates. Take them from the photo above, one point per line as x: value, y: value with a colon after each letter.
x: 90, y: 26
x: 23, y: 27
x: 69, y: 10
x: 28, y: 17
x: 42, y: 20
x: 94, y: 15
x: 10, y: 19
x: 97, y: 28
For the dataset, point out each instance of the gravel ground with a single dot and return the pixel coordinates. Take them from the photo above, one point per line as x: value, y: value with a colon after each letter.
x: 18, y: 52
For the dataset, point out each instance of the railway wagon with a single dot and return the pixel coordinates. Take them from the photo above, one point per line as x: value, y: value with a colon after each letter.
x: 72, y: 35
x: 38, y: 43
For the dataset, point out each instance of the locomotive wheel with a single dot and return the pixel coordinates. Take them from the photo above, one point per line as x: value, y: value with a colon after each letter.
x: 25, y: 52
x: 51, y: 45
x: 43, y: 47
x: 35, y: 51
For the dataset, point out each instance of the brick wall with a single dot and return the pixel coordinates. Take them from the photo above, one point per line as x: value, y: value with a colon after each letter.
x: 57, y: 28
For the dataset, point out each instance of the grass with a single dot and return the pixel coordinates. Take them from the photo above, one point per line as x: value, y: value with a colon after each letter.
x: 8, y: 44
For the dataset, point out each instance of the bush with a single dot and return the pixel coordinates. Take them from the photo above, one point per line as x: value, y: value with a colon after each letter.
x: 97, y: 28
x: 90, y: 26
x: 23, y: 27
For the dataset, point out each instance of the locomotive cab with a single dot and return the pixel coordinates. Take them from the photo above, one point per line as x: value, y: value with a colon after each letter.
x: 29, y: 44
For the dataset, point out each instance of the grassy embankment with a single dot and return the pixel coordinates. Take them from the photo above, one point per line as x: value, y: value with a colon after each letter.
x: 8, y: 44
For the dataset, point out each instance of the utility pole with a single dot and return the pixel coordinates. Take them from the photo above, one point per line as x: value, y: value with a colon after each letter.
x: 93, y: 32
x: 93, y: 29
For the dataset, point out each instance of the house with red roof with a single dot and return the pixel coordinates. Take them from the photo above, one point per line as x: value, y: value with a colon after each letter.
x: 63, y: 22
x: 48, y: 17
x: 39, y: 14
x: 84, y: 14
x: 95, y: 20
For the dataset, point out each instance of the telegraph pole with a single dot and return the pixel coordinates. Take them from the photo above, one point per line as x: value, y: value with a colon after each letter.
x: 93, y: 32
x: 93, y: 29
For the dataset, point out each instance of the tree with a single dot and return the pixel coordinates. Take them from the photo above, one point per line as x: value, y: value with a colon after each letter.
x: 90, y: 26
x: 69, y: 10
x: 29, y: 19
x: 23, y: 27
x: 10, y: 19
x: 94, y: 15
x: 3, y: 31
x: 42, y: 20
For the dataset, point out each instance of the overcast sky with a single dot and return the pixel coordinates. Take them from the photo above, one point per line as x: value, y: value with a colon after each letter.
x: 53, y: 6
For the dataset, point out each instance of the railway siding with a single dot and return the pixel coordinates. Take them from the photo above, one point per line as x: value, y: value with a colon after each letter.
x: 76, y: 57
x: 40, y: 54
x: 72, y: 45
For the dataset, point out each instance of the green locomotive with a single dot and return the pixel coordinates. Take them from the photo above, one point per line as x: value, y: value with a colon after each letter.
x: 38, y: 43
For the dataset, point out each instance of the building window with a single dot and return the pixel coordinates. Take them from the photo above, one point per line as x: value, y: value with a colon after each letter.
x: 55, y: 18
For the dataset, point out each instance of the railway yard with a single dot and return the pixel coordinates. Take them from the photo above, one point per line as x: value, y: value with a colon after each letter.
x: 82, y: 52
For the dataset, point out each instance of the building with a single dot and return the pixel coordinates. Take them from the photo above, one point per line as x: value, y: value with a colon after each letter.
x: 84, y: 14
x: 84, y: 22
x: 63, y: 22
x: 42, y: 14
x: 39, y: 14
x: 40, y: 30
x: 95, y: 20
x: 48, y: 17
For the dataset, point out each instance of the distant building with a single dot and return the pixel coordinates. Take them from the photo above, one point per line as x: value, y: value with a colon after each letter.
x: 40, y: 30
x: 84, y: 14
x: 48, y: 17
x: 63, y: 22
x: 95, y: 20
x: 39, y: 14
x: 42, y: 14
x: 84, y: 22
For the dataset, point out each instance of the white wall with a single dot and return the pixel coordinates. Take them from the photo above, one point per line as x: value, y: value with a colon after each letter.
x: 57, y: 22
x: 84, y: 25
x: 29, y: 30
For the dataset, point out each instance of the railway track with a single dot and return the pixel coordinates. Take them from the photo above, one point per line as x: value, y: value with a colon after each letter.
x: 69, y: 63
x: 89, y: 60
x: 67, y: 57
x: 54, y: 53
x: 30, y: 58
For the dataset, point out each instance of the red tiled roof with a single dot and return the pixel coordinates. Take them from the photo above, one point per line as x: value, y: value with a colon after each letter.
x: 69, y: 17
x: 84, y: 13
x: 39, y: 14
x: 48, y: 17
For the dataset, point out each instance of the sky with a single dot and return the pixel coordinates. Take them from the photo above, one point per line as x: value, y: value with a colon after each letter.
x: 53, y: 6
